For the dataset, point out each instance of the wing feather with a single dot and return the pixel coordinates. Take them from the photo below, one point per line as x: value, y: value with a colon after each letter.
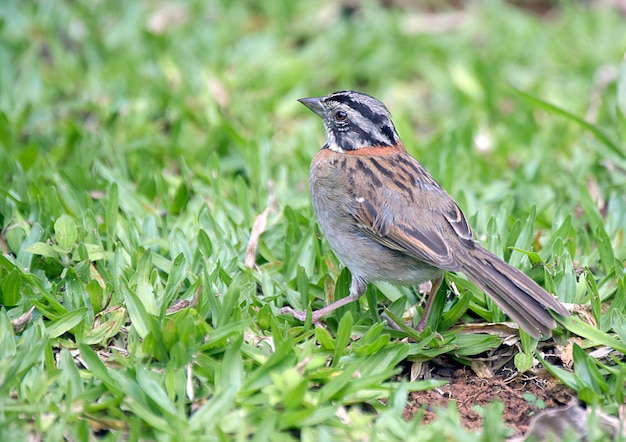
x: 404, y: 232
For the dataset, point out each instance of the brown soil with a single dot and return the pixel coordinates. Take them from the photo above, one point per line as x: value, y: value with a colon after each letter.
x: 468, y: 389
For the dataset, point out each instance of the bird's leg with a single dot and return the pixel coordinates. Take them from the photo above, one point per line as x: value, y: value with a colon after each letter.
x: 436, y: 283
x: 357, y: 288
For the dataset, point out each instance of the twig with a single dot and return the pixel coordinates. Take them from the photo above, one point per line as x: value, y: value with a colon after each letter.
x: 258, y: 227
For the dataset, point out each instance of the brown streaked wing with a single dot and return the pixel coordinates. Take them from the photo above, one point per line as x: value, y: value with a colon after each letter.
x: 458, y: 222
x: 375, y: 218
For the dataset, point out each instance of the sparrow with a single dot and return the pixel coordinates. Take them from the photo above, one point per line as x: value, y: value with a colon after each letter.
x: 387, y: 218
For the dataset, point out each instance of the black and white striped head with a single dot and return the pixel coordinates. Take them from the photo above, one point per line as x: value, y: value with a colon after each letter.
x: 353, y: 120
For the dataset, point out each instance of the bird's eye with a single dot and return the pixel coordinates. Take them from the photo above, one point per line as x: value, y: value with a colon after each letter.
x: 340, y: 116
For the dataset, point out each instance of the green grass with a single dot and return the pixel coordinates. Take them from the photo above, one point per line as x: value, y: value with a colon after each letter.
x: 134, y: 162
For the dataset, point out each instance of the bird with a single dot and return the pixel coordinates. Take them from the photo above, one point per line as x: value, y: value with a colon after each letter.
x: 388, y: 219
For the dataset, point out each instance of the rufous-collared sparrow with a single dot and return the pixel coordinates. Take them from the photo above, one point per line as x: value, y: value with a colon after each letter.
x: 387, y: 219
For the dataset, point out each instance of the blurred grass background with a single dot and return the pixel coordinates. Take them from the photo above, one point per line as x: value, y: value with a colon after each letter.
x: 140, y: 140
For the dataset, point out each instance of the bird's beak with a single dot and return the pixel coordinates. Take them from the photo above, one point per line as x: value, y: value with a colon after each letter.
x: 315, y: 104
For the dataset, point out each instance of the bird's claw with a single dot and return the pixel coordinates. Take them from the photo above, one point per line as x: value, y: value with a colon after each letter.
x: 300, y: 315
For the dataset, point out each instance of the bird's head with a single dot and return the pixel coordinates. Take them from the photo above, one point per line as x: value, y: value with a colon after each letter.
x: 353, y: 120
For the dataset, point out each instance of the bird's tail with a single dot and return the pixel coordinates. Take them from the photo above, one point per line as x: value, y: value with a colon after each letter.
x: 515, y: 293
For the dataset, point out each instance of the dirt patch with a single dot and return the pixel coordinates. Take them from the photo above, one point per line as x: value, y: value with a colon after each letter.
x: 469, y: 390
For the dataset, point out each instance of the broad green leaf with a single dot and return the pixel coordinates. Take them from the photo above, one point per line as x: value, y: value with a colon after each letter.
x: 177, y: 275
x: 587, y: 371
x: 384, y: 360
x: 280, y: 360
x: 371, y: 295
x: 70, y: 376
x: 213, y: 409
x: 36, y: 235
x: 66, y: 322
x: 7, y: 337
x: 95, y: 252
x: 343, y: 337
x: 220, y: 335
x: 457, y: 310
x: 181, y: 199
x: 472, y: 344
x: 229, y: 301
x: 307, y: 417
x: 155, y: 391
x: 325, y: 339
x: 565, y: 376
x: 111, y: 214
x: 75, y: 295
x: 42, y: 249
x: 523, y: 361
x: 342, y: 289
x: 96, y: 366
x: 65, y: 232
x: 328, y: 391
x: 594, y: 297
x: 137, y: 312
x: 107, y: 329
x: 524, y: 240
x: 617, y: 322
x: 534, y: 257
x: 231, y: 369
x: 11, y: 288
x: 597, y: 337
x: 302, y: 285
x: 265, y: 317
